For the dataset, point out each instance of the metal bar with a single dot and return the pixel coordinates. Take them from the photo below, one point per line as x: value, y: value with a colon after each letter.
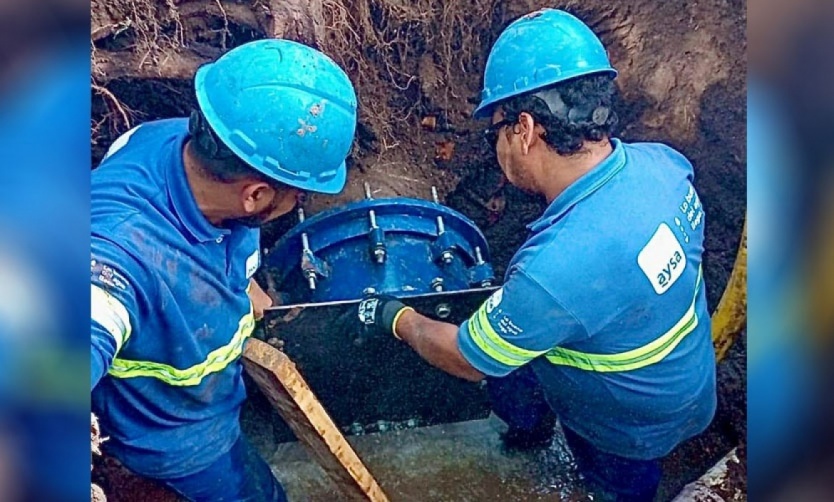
x: 479, y: 258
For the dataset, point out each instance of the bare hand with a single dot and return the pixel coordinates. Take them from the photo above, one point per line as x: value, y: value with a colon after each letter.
x: 260, y: 300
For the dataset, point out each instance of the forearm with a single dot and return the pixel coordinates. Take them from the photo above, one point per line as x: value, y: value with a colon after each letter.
x: 98, y: 367
x: 102, y: 351
x: 436, y: 342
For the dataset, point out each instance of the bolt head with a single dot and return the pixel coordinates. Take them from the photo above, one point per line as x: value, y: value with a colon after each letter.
x: 447, y: 257
x: 443, y: 310
x: 379, y: 254
x: 437, y: 284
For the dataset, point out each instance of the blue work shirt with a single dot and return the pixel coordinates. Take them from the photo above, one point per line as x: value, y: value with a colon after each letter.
x: 613, y: 265
x: 170, y: 309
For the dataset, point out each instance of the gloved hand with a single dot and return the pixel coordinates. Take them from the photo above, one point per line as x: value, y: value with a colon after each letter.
x: 378, y: 314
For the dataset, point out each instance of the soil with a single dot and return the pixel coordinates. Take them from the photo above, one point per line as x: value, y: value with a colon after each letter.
x: 417, y: 67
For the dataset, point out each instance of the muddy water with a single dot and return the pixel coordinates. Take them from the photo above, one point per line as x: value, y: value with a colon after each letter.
x: 451, y: 462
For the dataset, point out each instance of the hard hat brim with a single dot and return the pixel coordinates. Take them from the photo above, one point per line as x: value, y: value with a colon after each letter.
x: 487, y: 105
x: 483, y: 111
x: 330, y: 187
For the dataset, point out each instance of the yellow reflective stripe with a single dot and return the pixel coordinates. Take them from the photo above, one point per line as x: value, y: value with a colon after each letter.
x: 111, y: 314
x: 640, y: 357
x: 493, y: 345
x: 524, y: 354
x: 216, y: 361
x: 611, y: 362
x: 487, y: 349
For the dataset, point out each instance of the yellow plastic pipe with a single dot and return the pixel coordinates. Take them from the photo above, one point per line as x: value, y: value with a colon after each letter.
x: 731, y: 315
x: 820, y: 279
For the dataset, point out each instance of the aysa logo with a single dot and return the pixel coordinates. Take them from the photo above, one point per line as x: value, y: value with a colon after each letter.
x: 664, y: 278
x: 662, y: 259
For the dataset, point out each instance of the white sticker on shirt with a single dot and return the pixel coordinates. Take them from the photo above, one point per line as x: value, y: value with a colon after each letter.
x: 662, y: 259
x: 252, y: 263
x: 494, y: 300
x: 120, y: 142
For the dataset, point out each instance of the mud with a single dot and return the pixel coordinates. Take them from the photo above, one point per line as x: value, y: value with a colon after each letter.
x: 682, y: 79
x: 728, y: 430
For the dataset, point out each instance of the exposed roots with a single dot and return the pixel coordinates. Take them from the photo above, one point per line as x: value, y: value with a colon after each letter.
x: 118, y: 118
x: 405, y: 58
x: 421, y: 51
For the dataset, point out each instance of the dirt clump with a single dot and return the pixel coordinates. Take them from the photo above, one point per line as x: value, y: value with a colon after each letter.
x: 96, y: 493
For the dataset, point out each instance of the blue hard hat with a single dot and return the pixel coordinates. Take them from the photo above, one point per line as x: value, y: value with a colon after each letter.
x: 538, y: 50
x: 284, y: 108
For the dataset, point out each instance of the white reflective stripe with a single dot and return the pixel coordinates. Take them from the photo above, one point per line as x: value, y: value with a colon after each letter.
x: 109, y: 312
x: 120, y: 142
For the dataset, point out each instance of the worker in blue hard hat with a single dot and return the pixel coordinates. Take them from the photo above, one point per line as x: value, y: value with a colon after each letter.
x: 176, y: 206
x: 602, y: 319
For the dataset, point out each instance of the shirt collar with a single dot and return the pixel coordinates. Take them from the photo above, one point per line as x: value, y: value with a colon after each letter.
x: 182, y: 198
x: 589, y: 183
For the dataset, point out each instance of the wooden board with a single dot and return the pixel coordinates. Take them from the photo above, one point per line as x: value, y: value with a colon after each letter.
x: 289, y: 394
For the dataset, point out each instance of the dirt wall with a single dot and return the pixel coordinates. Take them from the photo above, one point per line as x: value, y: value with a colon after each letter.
x: 681, y: 77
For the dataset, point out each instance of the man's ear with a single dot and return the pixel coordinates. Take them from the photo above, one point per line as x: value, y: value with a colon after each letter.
x: 529, y: 135
x: 255, y: 196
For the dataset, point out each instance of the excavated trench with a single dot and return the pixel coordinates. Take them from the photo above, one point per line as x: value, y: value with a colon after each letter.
x: 417, y: 67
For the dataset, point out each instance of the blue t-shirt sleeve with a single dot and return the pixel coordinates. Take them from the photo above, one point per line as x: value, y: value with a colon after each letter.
x: 682, y: 162
x: 518, y: 323
x: 118, y: 286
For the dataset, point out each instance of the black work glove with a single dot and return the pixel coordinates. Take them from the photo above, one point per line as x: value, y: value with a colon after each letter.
x: 378, y: 314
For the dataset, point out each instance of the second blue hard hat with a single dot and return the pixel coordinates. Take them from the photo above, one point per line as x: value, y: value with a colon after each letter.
x: 284, y: 108
x: 537, y: 50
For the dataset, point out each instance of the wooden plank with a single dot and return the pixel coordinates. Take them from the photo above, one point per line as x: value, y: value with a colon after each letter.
x: 286, y: 390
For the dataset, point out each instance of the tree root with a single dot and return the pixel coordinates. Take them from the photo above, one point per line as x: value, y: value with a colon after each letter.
x: 174, y: 65
x: 404, y: 58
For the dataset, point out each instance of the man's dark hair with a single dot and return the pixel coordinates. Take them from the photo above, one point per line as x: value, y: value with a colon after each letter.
x: 216, y: 160
x: 571, y: 112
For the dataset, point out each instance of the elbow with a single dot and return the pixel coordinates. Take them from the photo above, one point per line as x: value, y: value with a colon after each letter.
x: 472, y: 375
